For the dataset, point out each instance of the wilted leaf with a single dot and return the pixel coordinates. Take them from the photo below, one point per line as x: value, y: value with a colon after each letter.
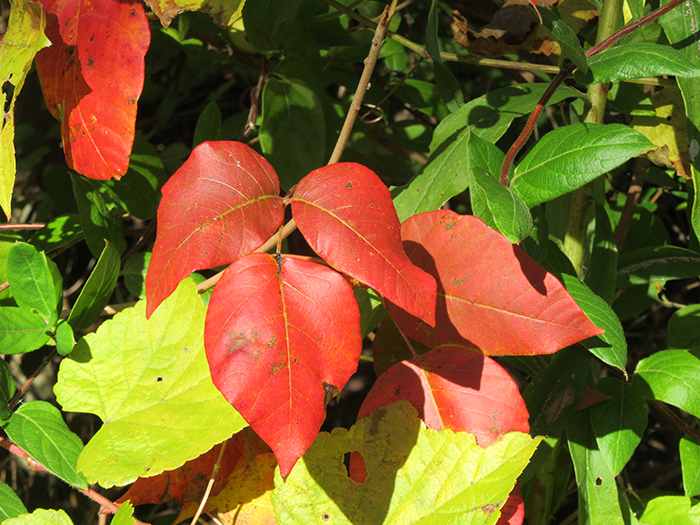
x: 220, y: 205
x: 346, y: 214
x: 491, y: 295
x: 282, y: 338
x: 162, y: 409
x: 91, y: 40
x: 224, y: 12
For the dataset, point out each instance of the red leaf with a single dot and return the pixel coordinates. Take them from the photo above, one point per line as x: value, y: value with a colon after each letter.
x: 491, y: 295
x: 347, y: 216
x: 92, y: 77
x: 222, y: 204
x: 457, y: 388
x: 513, y: 511
x: 189, y: 482
x: 281, y: 341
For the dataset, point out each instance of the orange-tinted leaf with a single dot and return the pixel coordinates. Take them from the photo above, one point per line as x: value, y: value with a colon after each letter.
x: 92, y: 77
x: 282, y: 338
x: 491, y: 295
x: 220, y: 205
x: 513, y: 512
x: 189, y: 482
x: 346, y: 214
x: 457, y: 388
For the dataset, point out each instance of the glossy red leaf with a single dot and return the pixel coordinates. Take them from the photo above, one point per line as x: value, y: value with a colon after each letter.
x: 92, y: 77
x: 281, y: 341
x: 491, y: 295
x: 347, y: 216
x: 457, y: 388
x: 222, y: 204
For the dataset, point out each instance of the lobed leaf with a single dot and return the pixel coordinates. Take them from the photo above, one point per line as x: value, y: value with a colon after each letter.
x: 454, y: 387
x: 567, y: 158
x: 41, y: 517
x: 414, y: 474
x: 491, y: 295
x: 38, y: 428
x: 149, y: 382
x: 346, y: 214
x: 220, y: 205
x: 124, y: 515
x: 91, y: 40
x: 282, y: 338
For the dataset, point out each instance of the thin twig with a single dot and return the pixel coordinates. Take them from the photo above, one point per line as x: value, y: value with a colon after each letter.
x: 18, y: 395
x: 142, y: 240
x: 370, y: 62
x: 210, y: 485
x: 674, y: 419
x: 10, y: 226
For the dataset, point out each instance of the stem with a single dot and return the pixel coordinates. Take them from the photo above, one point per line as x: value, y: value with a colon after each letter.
x: 36, y: 226
x: 210, y: 485
x: 18, y: 395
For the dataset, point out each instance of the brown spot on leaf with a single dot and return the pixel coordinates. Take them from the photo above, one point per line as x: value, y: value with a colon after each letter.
x: 348, y: 186
x: 565, y: 399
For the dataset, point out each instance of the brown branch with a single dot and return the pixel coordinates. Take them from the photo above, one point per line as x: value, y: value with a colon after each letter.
x: 18, y: 395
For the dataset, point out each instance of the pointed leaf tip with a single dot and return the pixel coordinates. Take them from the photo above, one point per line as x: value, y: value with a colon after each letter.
x: 220, y: 205
x: 279, y: 340
x: 491, y: 295
x: 346, y: 214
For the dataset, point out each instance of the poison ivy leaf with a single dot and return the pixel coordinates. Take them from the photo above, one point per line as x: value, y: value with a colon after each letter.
x: 135, y: 271
x: 35, y: 281
x: 657, y: 264
x: 346, y: 214
x: 24, y: 37
x: 224, y: 12
x: 562, y: 33
x: 65, y: 339
x: 10, y: 505
x: 678, y: 510
x: 41, y: 517
x: 162, y: 408
x: 414, y: 474
x: 454, y: 387
x: 611, y: 346
x: 7, y: 391
x: 282, y: 339
x: 220, y: 205
x: 292, y: 133
x: 490, y: 115
x: 618, y: 424
x: 98, y: 215
x: 684, y: 328
x: 671, y: 376
x: 91, y: 40
x: 124, y: 515
x: 567, y: 158
x: 632, y: 61
x: 38, y: 428
x: 485, y: 282
x: 21, y: 331
x: 689, y: 449
x: 57, y: 233
x: 499, y: 207
x: 97, y: 290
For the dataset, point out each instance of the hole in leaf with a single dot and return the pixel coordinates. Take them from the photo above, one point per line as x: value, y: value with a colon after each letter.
x: 598, y: 481
x: 8, y: 89
x: 356, y: 469
x: 159, y: 379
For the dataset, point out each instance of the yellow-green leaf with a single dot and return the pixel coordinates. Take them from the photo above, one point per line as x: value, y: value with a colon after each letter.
x: 224, y: 12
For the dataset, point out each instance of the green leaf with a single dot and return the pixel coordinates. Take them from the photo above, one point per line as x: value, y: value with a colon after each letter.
x: 24, y: 38
x: 498, y: 206
x: 372, y: 310
x: 97, y: 290
x: 414, y: 475
x: 690, y: 465
x: 7, y: 391
x: 65, y: 339
x: 135, y: 273
x: 57, y: 233
x: 671, y: 376
x: 632, y: 61
x: 21, y: 331
x: 35, y: 281
x: 610, y: 347
x: 293, y: 130
x: 124, y: 515
x: 490, y: 115
x: 683, y: 328
x: 41, y: 517
x: 10, y: 505
x: 38, y: 428
x: 266, y: 20
x: 445, y: 81
x: 597, y: 491
x: 208, y: 125
x: 98, y: 217
x: 664, y: 510
x: 566, y: 37
x: 567, y: 158
x: 149, y: 381
x: 601, y: 275
x: 618, y: 424
x: 657, y: 264
x: 446, y: 174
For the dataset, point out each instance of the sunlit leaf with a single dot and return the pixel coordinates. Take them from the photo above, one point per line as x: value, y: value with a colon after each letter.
x: 224, y: 12
x: 21, y: 330
x: 678, y: 510
x: 41, y: 517
x: 10, y: 504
